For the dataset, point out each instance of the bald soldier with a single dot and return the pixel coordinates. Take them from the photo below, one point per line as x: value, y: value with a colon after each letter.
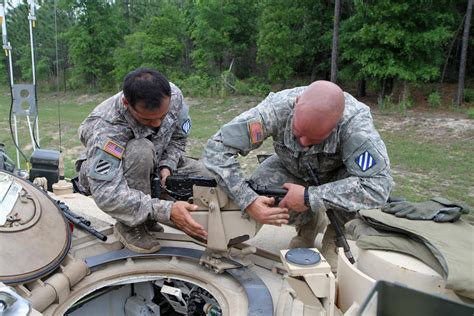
x: 327, y: 154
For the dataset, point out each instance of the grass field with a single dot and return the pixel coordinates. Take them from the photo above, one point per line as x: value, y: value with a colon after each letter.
x: 431, y: 152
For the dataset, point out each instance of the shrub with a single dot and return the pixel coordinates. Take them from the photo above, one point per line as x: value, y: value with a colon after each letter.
x: 470, y: 113
x: 434, y: 99
x: 252, y: 86
x: 469, y: 95
x: 197, y: 85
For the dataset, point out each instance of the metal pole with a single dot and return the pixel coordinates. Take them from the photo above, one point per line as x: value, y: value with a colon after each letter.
x: 32, y: 21
x: 6, y: 44
x: 7, y: 49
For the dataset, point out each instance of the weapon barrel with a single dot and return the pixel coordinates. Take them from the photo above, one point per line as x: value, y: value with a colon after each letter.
x: 271, y: 192
x: 77, y: 222
x: 80, y: 221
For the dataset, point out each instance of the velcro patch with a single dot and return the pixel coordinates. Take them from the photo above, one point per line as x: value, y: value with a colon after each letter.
x: 186, y: 126
x: 255, y: 132
x: 114, y: 149
x: 365, y: 161
x: 103, y: 167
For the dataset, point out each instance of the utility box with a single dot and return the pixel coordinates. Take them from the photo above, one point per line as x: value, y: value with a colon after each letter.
x: 45, y: 163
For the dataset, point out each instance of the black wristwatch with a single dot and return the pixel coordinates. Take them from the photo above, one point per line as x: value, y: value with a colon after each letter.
x: 306, y: 197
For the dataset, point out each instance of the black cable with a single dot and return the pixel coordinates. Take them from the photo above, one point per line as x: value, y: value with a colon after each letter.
x: 11, y: 128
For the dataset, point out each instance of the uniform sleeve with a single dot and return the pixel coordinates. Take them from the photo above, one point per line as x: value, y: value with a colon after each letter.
x: 243, y: 134
x: 108, y: 185
x: 176, y: 148
x: 367, y: 181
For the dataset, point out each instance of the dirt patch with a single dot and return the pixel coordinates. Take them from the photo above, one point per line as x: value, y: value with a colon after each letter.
x: 426, y: 126
x: 89, y: 98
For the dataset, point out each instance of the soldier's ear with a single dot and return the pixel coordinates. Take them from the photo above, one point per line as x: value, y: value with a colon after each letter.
x: 125, y: 102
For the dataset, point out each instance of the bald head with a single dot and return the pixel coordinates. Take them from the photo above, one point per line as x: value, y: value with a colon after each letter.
x: 317, y: 112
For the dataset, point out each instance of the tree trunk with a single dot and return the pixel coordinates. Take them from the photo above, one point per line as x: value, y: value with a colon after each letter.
x: 335, y: 40
x: 462, y: 64
x: 361, y: 88
x: 387, y: 88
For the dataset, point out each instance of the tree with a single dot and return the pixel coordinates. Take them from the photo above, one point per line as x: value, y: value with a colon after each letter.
x: 158, y: 43
x: 222, y: 31
x: 388, y: 40
x: 92, y: 39
x: 335, y: 40
x: 279, y: 42
x: 462, y: 64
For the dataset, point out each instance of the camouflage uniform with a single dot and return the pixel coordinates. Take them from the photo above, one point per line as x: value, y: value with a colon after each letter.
x: 122, y: 156
x: 351, y: 165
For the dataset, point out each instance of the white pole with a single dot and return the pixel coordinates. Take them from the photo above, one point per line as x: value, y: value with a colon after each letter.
x: 32, y: 21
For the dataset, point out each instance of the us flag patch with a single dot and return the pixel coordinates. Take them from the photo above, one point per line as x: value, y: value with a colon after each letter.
x: 365, y: 161
x: 114, y: 149
x: 255, y: 132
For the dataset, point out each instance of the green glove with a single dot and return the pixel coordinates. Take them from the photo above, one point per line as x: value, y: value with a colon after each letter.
x: 437, y: 209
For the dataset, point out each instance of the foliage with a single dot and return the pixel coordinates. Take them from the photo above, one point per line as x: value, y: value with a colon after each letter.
x: 92, y: 39
x: 470, y: 113
x: 198, y: 85
x: 152, y: 47
x: 393, y: 39
x: 469, y: 95
x: 252, y: 86
x: 99, y: 41
x: 434, y: 99
x: 3, y: 74
x: 280, y: 38
x: 222, y: 30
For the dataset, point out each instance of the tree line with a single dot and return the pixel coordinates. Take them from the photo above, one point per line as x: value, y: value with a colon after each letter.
x: 240, y: 46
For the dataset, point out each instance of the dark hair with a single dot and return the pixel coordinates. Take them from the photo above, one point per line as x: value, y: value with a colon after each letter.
x: 147, y: 85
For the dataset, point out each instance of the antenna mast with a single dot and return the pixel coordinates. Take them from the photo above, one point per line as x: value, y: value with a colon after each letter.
x: 24, y: 99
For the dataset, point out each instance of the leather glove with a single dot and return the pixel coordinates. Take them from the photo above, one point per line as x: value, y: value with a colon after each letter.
x: 437, y: 209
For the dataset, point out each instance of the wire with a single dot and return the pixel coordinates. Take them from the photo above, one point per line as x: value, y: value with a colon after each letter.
x: 11, y: 128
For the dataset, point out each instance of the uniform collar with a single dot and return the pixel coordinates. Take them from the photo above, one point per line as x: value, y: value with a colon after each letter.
x: 329, y: 145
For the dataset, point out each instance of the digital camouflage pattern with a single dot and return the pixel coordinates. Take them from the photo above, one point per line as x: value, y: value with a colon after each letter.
x: 107, y: 178
x: 352, y: 165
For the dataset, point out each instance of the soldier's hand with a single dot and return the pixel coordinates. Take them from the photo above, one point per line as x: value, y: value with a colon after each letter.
x: 262, y: 211
x: 164, y: 173
x: 182, y: 219
x: 294, y: 199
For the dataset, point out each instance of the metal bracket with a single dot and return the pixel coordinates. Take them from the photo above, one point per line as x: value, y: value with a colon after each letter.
x: 24, y: 94
x: 216, y: 240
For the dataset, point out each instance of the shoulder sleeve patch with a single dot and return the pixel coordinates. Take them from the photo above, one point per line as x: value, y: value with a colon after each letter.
x: 104, y: 166
x: 183, y: 120
x: 113, y: 149
x: 366, y: 160
x: 244, y: 136
x: 255, y: 132
x: 186, y: 126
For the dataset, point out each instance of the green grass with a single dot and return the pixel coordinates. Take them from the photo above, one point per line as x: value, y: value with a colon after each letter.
x: 73, y: 108
x: 424, y: 165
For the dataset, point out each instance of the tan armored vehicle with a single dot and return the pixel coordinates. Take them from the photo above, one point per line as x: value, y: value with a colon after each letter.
x: 47, y: 269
